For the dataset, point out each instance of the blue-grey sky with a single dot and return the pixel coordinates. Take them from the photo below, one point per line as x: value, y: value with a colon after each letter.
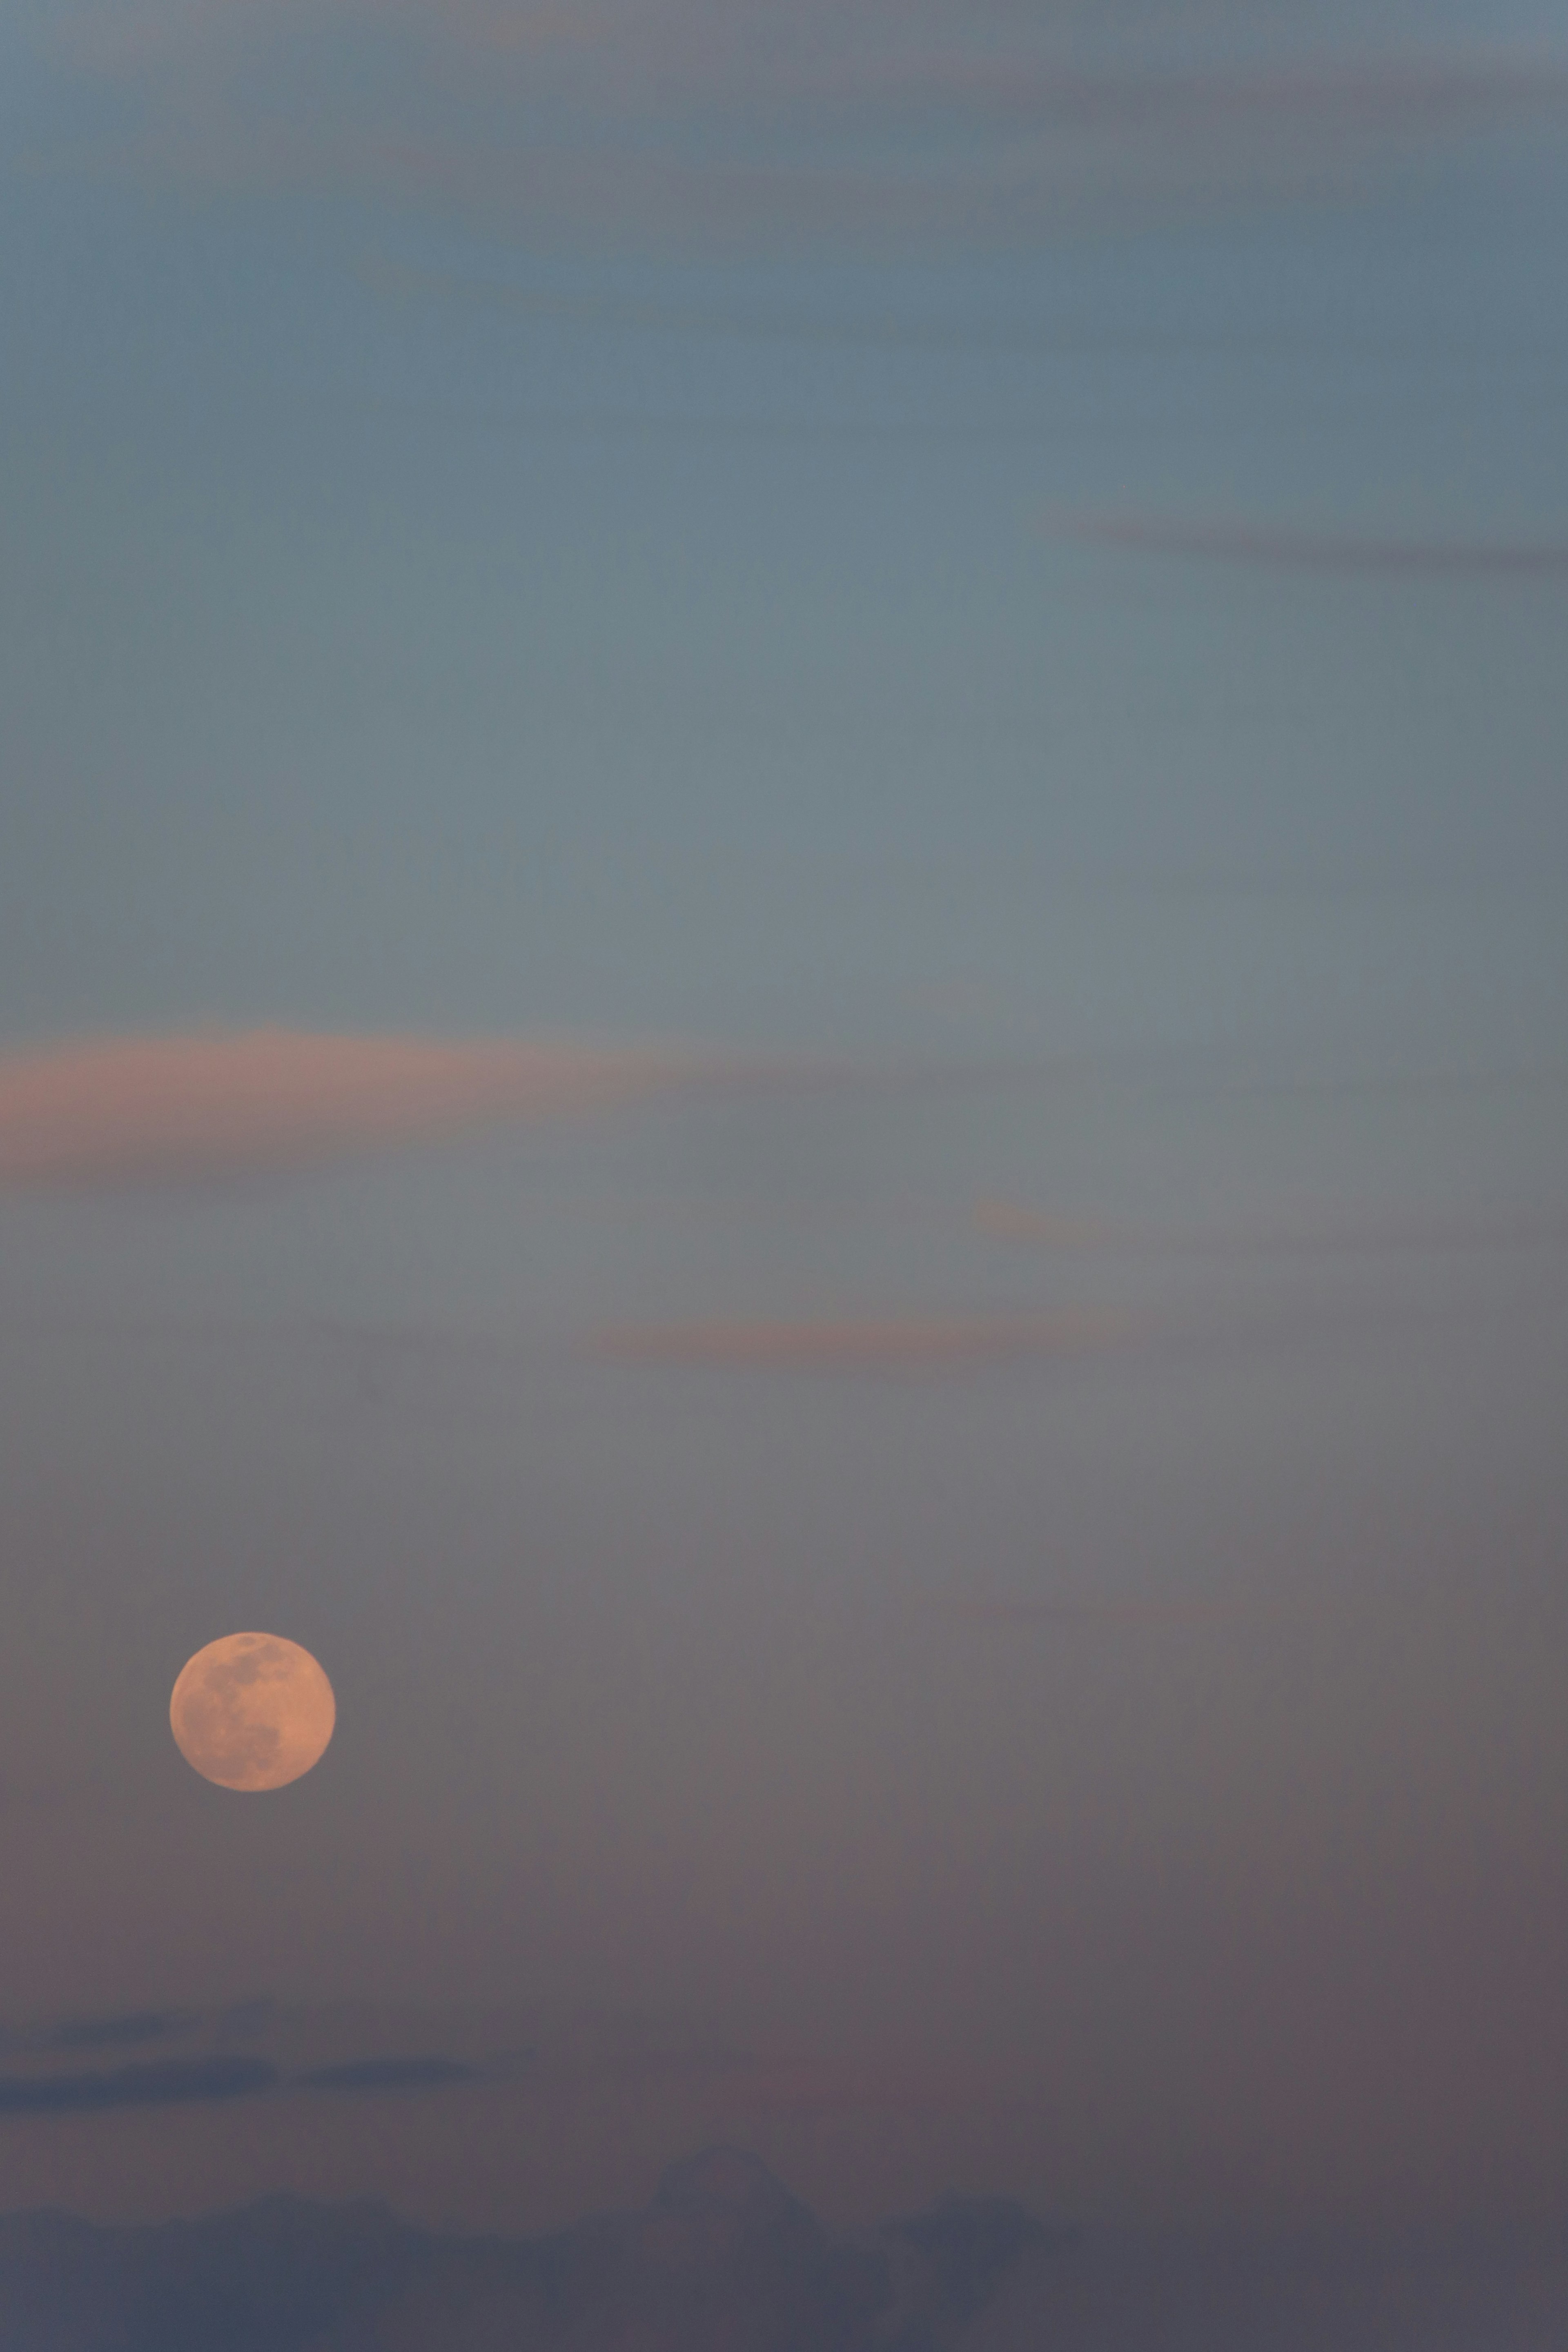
x: 784, y: 950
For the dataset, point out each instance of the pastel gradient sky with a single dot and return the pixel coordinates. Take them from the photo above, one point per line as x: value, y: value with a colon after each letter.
x: 784, y: 964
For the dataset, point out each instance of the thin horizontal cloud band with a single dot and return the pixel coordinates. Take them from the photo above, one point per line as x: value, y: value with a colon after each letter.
x: 890, y: 1343
x: 686, y: 122
x: 165, y: 2082
x: 1406, y: 1229
x: 210, y: 1103
x: 109, y: 1109
x: 159, y: 2083
x: 823, y: 61
x: 1285, y: 549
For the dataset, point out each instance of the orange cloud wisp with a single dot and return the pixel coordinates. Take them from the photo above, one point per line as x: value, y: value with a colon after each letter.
x: 127, y: 1108
x: 873, y: 1343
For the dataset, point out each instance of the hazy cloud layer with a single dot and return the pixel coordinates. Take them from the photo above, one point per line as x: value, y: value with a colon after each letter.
x: 137, y: 1109
x: 168, y: 2083
x: 687, y: 119
x: 724, y: 2258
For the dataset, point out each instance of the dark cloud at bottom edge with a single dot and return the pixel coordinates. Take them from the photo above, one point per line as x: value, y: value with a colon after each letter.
x: 724, y: 2259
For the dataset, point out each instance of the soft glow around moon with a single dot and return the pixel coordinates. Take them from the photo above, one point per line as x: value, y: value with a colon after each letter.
x: 252, y: 1711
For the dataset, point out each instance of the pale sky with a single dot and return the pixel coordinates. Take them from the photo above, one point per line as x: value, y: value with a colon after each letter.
x: 784, y: 950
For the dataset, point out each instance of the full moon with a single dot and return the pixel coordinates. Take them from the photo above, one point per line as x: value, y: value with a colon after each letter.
x: 252, y: 1711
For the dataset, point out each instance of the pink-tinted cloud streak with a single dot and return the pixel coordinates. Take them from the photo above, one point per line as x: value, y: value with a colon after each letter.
x: 872, y: 1343
x: 117, y: 1109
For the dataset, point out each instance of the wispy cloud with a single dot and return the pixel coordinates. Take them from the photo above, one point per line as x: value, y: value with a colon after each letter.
x: 129, y: 1110
x: 686, y: 118
x: 1282, y: 548
x: 216, y: 2075
x: 1298, y: 1235
x: 888, y: 1343
x: 162, y: 2083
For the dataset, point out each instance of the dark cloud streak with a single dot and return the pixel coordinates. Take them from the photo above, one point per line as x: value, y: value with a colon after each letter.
x: 167, y: 2082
